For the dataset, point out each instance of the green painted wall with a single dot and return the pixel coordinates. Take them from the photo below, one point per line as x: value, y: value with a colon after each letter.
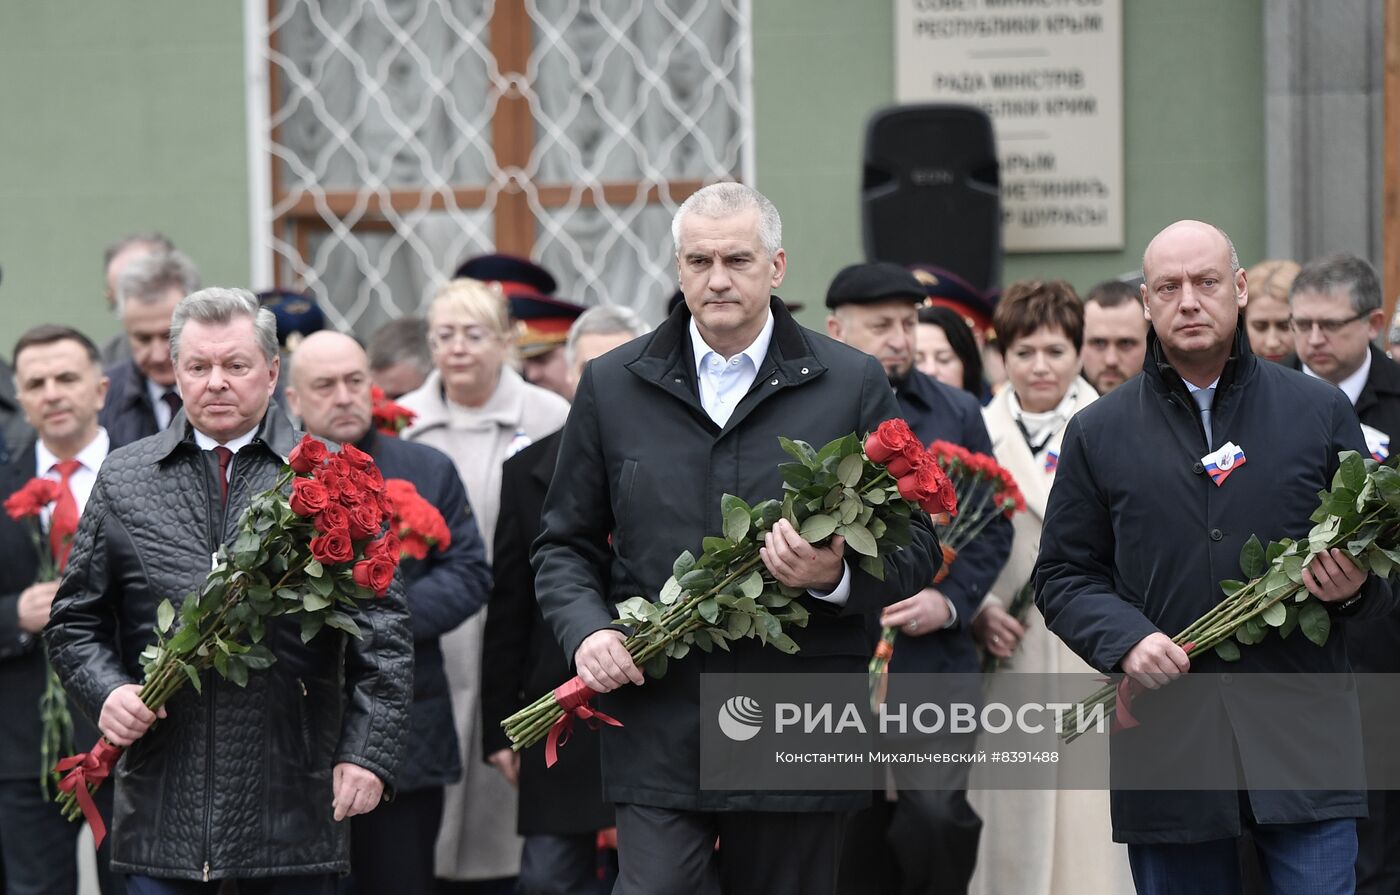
x: 1193, y: 113
x: 116, y: 117
x: 123, y: 117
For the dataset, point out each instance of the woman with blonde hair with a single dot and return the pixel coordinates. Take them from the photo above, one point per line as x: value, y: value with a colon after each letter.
x: 1041, y: 842
x: 476, y: 408
x: 1267, y: 314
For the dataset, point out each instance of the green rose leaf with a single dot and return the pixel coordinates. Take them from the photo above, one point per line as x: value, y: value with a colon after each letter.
x: 315, y: 602
x: 1290, y: 623
x: 859, y: 539
x: 684, y: 563
x: 165, y: 616
x: 800, y: 451
x: 193, y: 675
x: 1380, y: 563
x: 1315, y: 621
x: 656, y: 666
x: 709, y: 610
x: 677, y: 649
x: 850, y: 470
x: 1231, y: 587
x: 795, y: 474
x: 818, y: 527
x: 752, y: 586
x: 1275, y: 615
x: 1252, y: 559
x: 736, y: 524
x: 1227, y: 650
x: 1352, y: 472
x: 311, y: 626
x: 671, y: 591
x: 873, y: 566
x: 314, y: 569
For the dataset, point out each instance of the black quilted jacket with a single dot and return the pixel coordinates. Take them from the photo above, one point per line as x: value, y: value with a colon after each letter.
x: 236, y: 782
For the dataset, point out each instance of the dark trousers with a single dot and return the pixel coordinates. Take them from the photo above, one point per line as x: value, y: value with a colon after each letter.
x: 1297, y: 859
x: 272, y: 885
x: 666, y: 852
x: 39, y: 847
x: 559, y: 865
x: 1378, y: 845
x: 391, y: 848
x: 109, y: 882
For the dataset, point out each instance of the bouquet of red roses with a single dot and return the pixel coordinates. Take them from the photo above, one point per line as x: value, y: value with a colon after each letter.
x: 310, y: 551
x: 981, y: 488
x: 390, y: 417
x: 55, y: 721
x: 417, y: 523
x: 860, y: 491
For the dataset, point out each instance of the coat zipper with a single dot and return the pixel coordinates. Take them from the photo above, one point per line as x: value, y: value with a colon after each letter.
x: 215, y: 536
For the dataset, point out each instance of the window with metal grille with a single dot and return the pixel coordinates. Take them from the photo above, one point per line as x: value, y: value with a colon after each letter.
x: 395, y: 138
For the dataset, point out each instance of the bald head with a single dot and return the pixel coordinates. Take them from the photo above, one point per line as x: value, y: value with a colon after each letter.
x: 1189, y: 229
x: 1193, y: 290
x: 330, y: 385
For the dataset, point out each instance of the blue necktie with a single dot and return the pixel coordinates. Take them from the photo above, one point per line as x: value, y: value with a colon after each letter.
x: 1204, y: 398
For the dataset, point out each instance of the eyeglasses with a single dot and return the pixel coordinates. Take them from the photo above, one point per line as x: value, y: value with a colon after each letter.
x: 1328, y: 327
x: 474, y: 336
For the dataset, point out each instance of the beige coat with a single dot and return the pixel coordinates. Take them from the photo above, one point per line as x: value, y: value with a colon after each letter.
x: 477, y: 839
x: 1046, y: 842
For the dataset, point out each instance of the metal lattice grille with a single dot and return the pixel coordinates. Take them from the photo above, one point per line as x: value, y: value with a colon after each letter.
x: 405, y: 135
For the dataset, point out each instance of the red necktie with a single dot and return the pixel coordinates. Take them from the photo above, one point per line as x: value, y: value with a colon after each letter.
x: 225, y: 458
x: 63, y: 524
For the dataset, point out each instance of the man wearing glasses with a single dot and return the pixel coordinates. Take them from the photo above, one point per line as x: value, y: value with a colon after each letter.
x: 1337, y: 316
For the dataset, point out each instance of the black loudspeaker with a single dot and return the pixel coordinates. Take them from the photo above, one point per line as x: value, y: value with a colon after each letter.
x: 931, y: 192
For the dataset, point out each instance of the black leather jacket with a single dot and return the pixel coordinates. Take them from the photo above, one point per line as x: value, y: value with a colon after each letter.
x: 236, y: 782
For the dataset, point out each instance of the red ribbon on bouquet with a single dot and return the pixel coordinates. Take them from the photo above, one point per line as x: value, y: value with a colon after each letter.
x: 1127, y: 689
x: 572, y: 696
x: 89, y: 768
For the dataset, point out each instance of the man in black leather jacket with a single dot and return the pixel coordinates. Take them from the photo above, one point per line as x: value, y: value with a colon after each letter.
x: 245, y: 783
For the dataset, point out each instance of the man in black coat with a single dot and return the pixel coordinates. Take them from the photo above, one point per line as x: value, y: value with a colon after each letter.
x: 61, y: 388
x: 144, y: 397
x: 391, y: 849
x: 659, y: 430
x: 933, y: 831
x: 1121, y: 569
x: 521, y: 661
x: 1338, y: 314
x: 235, y: 782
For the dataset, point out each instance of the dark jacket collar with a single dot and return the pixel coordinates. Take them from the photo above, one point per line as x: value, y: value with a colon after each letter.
x: 135, y: 393
x: 275, y: 433
x: 1163, y: 378
x: 668, y: 362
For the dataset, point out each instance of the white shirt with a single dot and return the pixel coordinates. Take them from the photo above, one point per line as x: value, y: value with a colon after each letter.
x: 725, y: 380
x: 162, y: 410
x: 84, y: 477
x: 1353, y: 384
x: 234, y: 444
x: 723, y: 383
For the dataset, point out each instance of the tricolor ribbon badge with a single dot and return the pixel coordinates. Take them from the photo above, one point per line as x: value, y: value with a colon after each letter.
x: 1052, y: 461
x: 1377, y: 443
x: 1223, y: 462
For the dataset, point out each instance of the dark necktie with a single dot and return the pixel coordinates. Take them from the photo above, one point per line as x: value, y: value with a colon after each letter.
x: 172, y: 400
x: 64, y: 521
x: 225, y: 458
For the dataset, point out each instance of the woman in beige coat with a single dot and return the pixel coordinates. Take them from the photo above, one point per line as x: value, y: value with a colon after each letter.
x: 1045, y: 842
x: 476, y: 409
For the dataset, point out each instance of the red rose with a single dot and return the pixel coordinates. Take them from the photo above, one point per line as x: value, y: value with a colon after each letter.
x: 365, y: 520
x: 935, y: 491
x: 309, y: 497
x: 888, y: 439
x: 387, y: 547
x: 333, y: 547
x: 375, y: 574
x: 371, y: 479
x: 332, y: 517
x: 351, y: 495
x: 357, y: 458
x: 908, y: 458
x: 30, y: 500
x: 307, y: 455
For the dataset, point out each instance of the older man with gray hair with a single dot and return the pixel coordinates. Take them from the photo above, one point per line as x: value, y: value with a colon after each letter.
x: 144, y: 399
x: 115, y: 259
x: 247, y: 783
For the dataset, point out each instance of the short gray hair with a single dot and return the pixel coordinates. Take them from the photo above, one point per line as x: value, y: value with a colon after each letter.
x: 156, y: 241
x: 217, y: 305
x: 719, y: 200
x: 404, y: 340
x: 148, y: 278
x: 602, y: 320
x: 1353, y: 273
